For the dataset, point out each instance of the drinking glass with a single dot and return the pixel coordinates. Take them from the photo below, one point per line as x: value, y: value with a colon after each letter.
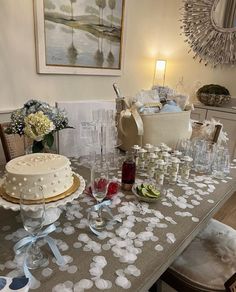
x: 184, y: 146
x: 99, y: 187
x: 33, y: 221
x: 203, y: 158
x: 113, y: 159
x: 221, y: 163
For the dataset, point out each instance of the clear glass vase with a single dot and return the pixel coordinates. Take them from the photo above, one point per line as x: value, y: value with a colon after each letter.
x: 29, y: 147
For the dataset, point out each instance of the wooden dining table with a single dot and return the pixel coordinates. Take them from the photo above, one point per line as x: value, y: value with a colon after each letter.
x: 132, y: 254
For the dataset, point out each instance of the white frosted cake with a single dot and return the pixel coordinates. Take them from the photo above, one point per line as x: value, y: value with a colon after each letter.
x: 29, y: 172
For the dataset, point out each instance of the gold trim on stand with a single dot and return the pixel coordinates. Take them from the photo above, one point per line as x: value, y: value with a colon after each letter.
x: 63, y: 195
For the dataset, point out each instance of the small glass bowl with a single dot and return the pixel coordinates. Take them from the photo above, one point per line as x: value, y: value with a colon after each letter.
x: 146, y: 199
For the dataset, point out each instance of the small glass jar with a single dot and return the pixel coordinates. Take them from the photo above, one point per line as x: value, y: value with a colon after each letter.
x: 160, y: 172
x: 185, y: 168
x: 173, y: 170
x: 128, y: 172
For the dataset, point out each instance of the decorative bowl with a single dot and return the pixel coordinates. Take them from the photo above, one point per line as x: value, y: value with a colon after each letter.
x: 213, y: 99
x: 145, y: 199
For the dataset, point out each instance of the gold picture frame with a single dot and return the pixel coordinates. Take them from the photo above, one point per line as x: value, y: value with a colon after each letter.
x: 79, y: 37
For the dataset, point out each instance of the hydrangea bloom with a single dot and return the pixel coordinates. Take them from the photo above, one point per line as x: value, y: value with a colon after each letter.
x: 37, y: 126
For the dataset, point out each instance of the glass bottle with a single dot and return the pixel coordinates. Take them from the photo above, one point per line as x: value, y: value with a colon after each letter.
x: 151, y: 165
x: 135, y: 149
x: 128, y: 172
x: 141, y: 159
x: 148, y: 148
x: 185, y: 168
x: 163, y: 147
x: 160, y: 172
x: 166, y: 157
x: 173, y: 170
x: 157, y: 151
x: 168, y: 149
x: 177, y: 153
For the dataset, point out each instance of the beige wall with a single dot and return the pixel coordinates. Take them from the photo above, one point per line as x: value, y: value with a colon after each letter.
x: 151, y: 30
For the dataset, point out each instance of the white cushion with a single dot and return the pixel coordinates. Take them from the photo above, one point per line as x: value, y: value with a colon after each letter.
x: 210, y: 259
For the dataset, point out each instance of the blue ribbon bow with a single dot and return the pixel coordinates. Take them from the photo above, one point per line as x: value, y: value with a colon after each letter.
x: 29, y: 240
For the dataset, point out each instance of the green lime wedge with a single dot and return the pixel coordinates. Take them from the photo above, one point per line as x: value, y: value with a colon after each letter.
x: 155, y: 192
x: 144, y: 185
x: 139, y: 190
x: 144, y: 192
x: 150, y: 195
x: 151, y: 187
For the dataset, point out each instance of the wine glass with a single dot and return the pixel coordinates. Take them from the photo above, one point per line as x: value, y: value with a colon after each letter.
x: 99, y: 187
x: 33, y: 221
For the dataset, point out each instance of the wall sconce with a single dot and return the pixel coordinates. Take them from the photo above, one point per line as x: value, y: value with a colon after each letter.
x: 160, y: 73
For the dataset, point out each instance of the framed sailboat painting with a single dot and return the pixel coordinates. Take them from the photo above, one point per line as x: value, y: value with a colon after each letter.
x: 79, y: 36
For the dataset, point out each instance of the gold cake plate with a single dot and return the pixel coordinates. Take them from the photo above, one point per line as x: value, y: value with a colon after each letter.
x: 67, y: 193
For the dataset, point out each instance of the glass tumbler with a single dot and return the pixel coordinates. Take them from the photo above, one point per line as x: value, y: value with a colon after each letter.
x: 204, y: 154
x: 221, y: 163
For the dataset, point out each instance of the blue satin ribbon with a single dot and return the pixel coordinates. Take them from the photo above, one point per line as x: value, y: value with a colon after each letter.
x: 29, y: 240
x: 103, y: 205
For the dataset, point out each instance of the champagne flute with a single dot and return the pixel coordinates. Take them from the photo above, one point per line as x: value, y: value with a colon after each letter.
x: 99, y: 186
x: 33, y: 221
x: 100, y: 120
x: 88, y: 136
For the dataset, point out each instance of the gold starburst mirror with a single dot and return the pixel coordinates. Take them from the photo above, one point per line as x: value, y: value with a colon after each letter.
x: 210, y: 30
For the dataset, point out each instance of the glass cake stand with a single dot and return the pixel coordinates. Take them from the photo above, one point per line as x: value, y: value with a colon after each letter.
x: 53, y: 211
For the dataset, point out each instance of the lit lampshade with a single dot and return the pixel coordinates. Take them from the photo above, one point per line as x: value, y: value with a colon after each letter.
x: 160, y: 72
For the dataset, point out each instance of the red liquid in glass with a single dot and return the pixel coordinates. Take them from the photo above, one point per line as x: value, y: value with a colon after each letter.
x: 128, y: 174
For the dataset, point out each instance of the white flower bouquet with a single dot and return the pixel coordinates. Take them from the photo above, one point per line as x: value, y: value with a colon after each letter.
x: 38, y: 121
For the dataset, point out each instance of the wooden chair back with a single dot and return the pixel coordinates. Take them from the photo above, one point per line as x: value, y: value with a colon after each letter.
x: 230, y: 285
x: 13, y: 144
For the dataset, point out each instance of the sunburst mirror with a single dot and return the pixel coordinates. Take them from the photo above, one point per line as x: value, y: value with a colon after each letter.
x: 210, y: 30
